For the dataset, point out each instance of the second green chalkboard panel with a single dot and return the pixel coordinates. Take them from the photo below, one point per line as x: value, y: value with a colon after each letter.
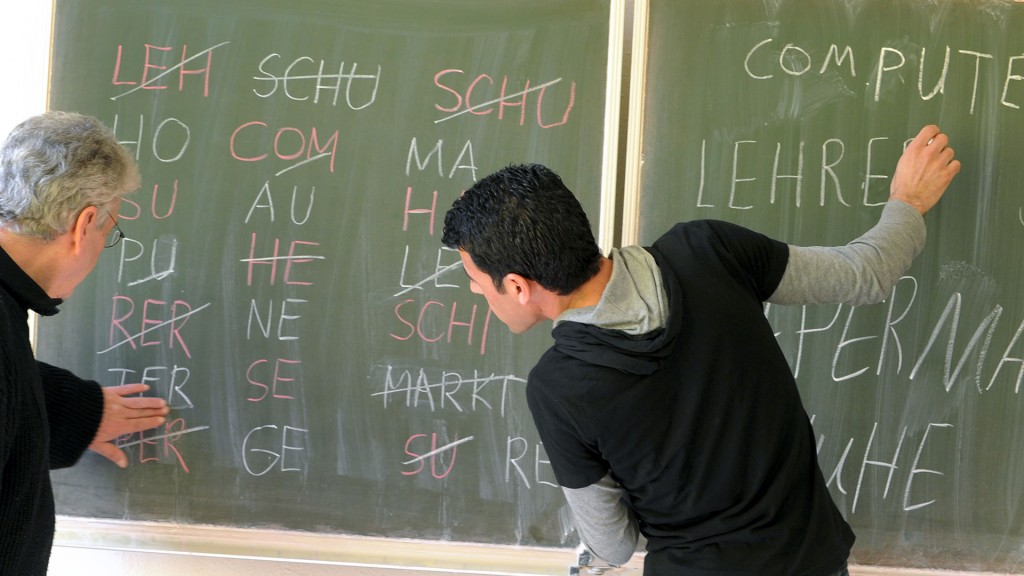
x: 788, y: 117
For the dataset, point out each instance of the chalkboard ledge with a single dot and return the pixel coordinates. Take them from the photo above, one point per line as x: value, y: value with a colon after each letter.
x: 346, y: 550
x: 326, y: 549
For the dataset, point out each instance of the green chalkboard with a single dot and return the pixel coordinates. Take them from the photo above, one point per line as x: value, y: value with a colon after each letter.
x: 788, y: 117
x: 283, y: 283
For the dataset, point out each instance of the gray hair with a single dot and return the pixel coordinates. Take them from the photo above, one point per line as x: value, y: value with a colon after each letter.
x: 54, y: 165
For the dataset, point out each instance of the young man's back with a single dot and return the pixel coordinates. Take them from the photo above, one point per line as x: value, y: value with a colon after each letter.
x: 699, y: 420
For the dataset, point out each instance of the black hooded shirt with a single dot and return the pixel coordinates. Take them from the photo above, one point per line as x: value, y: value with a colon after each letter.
x: 700, y: 421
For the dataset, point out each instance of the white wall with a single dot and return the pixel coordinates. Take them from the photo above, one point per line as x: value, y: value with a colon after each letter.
x: 25, y: 44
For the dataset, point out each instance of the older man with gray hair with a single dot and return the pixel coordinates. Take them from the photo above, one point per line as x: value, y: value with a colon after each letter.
x: 62, y: 177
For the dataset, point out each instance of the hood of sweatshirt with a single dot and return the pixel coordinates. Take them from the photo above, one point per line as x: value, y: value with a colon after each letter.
x: 630, y: 328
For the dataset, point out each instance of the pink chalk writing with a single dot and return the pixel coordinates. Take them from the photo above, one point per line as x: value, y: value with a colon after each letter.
x: 452, y: 82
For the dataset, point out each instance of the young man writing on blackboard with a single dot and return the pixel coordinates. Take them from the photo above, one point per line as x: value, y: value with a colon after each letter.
x: 666, y: 405
x: 62, y: 177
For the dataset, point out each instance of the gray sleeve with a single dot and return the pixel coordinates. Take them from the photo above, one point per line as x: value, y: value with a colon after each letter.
x: 861, y: 272
x: 606, y: 526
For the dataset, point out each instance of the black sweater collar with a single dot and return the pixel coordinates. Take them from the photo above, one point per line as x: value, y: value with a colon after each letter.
x: 24, y: 289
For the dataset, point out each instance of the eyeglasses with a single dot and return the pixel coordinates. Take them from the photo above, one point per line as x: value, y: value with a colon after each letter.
x: 115, y: 234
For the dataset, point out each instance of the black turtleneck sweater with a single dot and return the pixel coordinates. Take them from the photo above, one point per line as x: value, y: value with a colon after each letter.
x: 48, y: 418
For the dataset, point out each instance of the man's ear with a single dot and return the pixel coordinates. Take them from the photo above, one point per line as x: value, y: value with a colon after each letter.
x: 83, y: 228
x: 519, y: 286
